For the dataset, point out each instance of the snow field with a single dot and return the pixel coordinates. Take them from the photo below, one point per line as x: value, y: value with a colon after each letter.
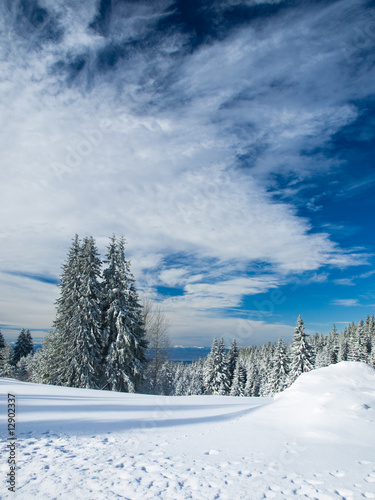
x: 316, y: 440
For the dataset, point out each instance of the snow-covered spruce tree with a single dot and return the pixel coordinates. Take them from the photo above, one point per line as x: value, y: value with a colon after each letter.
x: 2, y: 341
x: 2, y: 347
x: 46, y: 361
x: 125, y: 335
x: 239, y: 380
x: 358, y: 348
x: 232, y: 359
x: 343, y: 351
x: 77, y: 347
x: 216, y: 373
x: 280, y: 368
x: 23, y: 347
x: 225, y: 381
x: 55, y: 365
x: 300, y: 352
x: 371, y: 326
x: 180, y: 380
x: 22, y: 369
x: 6, y: 362
x: 252, y: 382
x: 196, y: 379
x: 265, y: 364
x: 333, y: 346
x: 87, y: 346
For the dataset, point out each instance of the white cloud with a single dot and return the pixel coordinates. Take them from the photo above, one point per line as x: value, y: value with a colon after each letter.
x: 110, y: 152
x: 346, y: 302
x: 344, y: 281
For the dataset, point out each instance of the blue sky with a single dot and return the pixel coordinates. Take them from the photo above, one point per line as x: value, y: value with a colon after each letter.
x: 231, y: 143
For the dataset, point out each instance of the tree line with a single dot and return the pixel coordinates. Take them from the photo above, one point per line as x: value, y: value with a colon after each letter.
x: 268, y: 369
x: 104, y: 338
x: 98, y: 339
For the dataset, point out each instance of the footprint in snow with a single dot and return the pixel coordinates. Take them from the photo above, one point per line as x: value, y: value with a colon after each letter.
x: 347, y: 494
x: 338, y: 473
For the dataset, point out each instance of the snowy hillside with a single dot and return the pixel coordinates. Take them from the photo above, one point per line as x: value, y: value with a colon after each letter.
x: 316, y: 440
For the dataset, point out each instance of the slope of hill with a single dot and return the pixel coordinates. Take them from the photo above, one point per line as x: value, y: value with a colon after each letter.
x: 316, y: 440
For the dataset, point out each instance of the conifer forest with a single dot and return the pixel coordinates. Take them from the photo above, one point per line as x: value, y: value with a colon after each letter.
x: 102, y: 339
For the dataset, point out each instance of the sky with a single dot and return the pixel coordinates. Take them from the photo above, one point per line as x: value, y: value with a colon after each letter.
x: 231, y: 143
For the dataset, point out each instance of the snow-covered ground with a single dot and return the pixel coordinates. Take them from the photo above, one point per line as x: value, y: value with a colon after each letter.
x: 315, y: 440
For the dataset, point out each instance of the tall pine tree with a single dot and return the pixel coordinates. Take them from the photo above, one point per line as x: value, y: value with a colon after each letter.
x: 301, y: 352
x: 125, y: 334
x: 78, y: 343
x: 23, y: 347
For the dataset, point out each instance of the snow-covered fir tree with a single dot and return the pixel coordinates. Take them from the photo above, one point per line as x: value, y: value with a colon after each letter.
x: 210, y: 371
x: 239, y: 380
x: 2, y: 348
x: 343, y: 351
x: 87, y: 342
x: 252, y: 381
x: 46, y: 361
x: 232, y: 359
x: 125, y: 334
x: 165, y: 379
x: 23, y: 368
x: 24, y: 346
x: 6, y: 362
x: 216, y: 372
x: 280, y: 368
x: 77, y: 347
x: 196, y: 379
x: 55, y: 363
x: 300, y: 352
x: 2, y: 341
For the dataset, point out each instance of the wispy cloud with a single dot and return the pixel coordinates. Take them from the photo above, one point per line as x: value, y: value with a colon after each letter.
x: 344, y: 281
x: 123, y: 123
x: 346, y: 302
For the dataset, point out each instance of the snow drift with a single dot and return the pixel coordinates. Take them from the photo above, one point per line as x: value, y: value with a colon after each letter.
x: 335, y: 403
x: 315, y: 440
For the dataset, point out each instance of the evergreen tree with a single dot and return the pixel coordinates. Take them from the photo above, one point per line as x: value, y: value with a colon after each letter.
x: 239, y: 380
x: 211, y: 368
x: 2, y: 341
x: 232, y: 359
x: 125, y: 335
x: 79, y: 318
x: 180, y: 381
x: 55, y: 362
x: 343, y: 351
x: 6, y: 362
x: 358, y: 349
x: 280, y: 370
x: 23, y: 347
x: 224, y: 372
x: 216, y: 373
x: 301, y: 352
x: 196, y: 379
x: 371, y: 327
x: 333, y: 346
x: 2, y: 347
x: 22, y: 370
x: 46, y: 360
x: 252, y: 382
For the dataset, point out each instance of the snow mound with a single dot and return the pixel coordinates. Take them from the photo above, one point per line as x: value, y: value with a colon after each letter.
x: 329, y: 402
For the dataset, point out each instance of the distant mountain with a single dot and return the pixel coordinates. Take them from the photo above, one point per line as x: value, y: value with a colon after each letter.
x: 188, y: 354
x: 176, y: 354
